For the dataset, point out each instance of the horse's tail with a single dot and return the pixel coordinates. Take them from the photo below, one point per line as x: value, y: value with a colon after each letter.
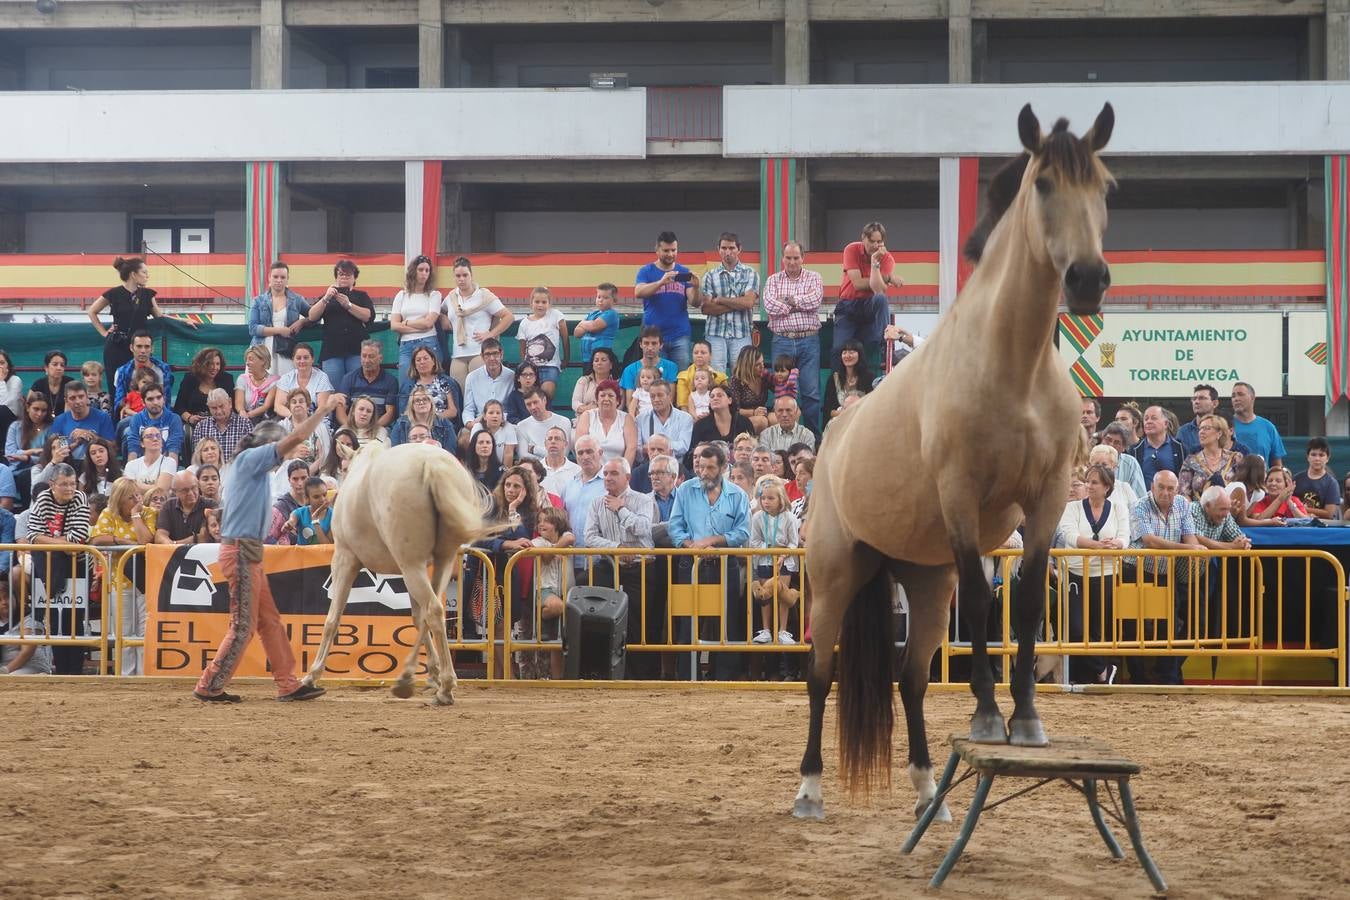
x: 866, y: 700
x: 459, y: 514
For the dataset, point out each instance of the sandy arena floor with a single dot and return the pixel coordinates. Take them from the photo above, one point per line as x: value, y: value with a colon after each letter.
x: 137, y: 790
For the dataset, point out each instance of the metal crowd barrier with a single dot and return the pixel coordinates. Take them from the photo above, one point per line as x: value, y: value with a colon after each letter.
x: 1175, y: 603
x: 1258, y: 604
x: 35, y: 569
x: 723, y: 627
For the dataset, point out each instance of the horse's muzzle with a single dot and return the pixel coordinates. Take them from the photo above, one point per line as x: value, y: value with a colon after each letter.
x: 1084, y: 285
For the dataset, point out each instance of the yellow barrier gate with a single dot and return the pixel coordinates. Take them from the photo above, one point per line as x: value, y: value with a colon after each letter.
x: 54, y: 586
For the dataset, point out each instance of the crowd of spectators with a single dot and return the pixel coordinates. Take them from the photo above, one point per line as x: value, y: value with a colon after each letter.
x: 671, y: 442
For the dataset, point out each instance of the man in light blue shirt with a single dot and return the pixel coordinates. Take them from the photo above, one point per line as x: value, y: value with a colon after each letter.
x: 579, y: 493
x: 709, y: 511
x: 80, y: 423
x: 245, y: 517
x: 664, y: 418
x: 491, y: 381
x: 155, y: 415
x: 1257, y: 432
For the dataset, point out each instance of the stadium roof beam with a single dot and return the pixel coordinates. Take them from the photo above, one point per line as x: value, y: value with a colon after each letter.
x: 131, y: 14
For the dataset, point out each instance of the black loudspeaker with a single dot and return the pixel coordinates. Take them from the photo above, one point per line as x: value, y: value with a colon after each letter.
x: 595, y: 633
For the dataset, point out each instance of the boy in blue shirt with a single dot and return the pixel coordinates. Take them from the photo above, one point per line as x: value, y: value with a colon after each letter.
x: 313, y: 523
x: 601, y: 325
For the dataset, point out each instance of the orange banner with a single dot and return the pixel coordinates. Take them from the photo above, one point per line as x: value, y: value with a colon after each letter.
x: 188, y: 612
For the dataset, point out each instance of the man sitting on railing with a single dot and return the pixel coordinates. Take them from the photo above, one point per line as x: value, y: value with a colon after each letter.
x: 622, y: 517
x: 1160, y: 521
x: 712, y: 512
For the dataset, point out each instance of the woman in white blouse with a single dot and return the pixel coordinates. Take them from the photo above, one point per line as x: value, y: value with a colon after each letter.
x: 1093, y: 523
x: 414, y: 314
x: 472, y: 314
x: 304, y: 375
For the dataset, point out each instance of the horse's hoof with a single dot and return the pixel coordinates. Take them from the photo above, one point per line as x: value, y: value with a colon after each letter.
x: 1027, y: 733
x: 943, y: 814
x: 806, y: 808
x: 988, y: 729
x: 438, y: 700
x: 402, y: 689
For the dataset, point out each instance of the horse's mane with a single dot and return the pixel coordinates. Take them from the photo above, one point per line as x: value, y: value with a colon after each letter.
x: 1061, y: 152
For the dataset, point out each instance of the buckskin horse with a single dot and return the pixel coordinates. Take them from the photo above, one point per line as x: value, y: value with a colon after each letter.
x: 972, y: 435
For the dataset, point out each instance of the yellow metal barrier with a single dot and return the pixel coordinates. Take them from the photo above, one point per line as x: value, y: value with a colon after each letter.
x: 78, y: 565
x: 1176, y: 603
x: 704, y: 600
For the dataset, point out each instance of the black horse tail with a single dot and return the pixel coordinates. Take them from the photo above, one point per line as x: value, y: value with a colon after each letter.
x: 866, y: 697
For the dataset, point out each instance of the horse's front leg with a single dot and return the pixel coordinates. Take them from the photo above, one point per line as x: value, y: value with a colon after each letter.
x: 1025, y: 728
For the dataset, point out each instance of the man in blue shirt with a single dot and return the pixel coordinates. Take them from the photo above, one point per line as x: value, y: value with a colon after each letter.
x: 1157, y: 451
x: 709, y: 511
x: 1256, y: 432
x: 651, y: 342
x: 369, y: 381
x: 168, y: 422
x: 490, y: 381
x: 665, y: 419
x: 142, y: 357
x: 245, y: 518
x: 80, y: 423
x: 667, y: 290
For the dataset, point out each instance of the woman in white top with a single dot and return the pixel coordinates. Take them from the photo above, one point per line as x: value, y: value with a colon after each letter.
x: 152, y: 467
x: 313, y: 449
x: 502, y: 431
x: 1093, y: 523
x: 612, y: 428
x: 304, y: 375
x: 1122, y: 493
x: 11, y: 393
x: 415, y: 312
x: 365, y: 422
x: 473, y: 314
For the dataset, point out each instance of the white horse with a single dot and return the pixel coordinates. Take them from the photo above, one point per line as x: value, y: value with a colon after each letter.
x: 403, y: 510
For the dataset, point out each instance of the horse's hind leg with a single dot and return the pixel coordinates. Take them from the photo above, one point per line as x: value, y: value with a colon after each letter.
x: 928, y: 590
x: 430, y: 617
x: 343, y: 571
x: 1025, y: 728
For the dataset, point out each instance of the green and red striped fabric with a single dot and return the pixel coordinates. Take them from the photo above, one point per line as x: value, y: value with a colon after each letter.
x: 1338, y: 288
x: 776, y: 210
x: 261, y: 224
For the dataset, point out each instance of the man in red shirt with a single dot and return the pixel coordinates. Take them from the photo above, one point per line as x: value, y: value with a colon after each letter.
x: 863, y: 308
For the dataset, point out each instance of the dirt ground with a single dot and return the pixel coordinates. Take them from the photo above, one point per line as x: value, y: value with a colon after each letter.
x: 138, y: 790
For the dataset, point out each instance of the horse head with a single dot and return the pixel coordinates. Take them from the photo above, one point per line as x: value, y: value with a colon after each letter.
x: 1066, y: 211
x: 1064, y: 186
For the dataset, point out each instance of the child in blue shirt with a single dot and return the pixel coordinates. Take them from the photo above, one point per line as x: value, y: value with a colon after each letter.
x: 313, y: 522
x: 601, y: 325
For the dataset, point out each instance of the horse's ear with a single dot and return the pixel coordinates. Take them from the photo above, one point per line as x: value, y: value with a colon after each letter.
x: 1029, y: 129
x: 1100, y: 132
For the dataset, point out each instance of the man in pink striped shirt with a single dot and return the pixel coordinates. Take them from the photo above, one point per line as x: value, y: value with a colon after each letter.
x: 792, y: 300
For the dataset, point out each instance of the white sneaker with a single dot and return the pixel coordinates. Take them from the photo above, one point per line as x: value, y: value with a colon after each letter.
x: 762, y: 636
x: 785, y: 637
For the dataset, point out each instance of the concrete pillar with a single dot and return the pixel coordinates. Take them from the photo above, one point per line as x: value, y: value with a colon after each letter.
x: 1338, y: 40
x: 454, y: 228
x: 1338, y: 420
x: 796, y: 42
x: 430, y: 45
x: 959, y: 47
x: 271, y: 48
x: 12, y: 227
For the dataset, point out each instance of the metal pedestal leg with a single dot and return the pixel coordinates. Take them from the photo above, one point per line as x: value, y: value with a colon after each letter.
x: 927, y: 818
x: 967, y: 828
x: 1137, y: 839
x: 1090, y: 791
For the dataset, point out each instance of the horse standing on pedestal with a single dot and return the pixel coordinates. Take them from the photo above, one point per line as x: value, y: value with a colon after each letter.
x: 943, y: 460
x: 403, y: 510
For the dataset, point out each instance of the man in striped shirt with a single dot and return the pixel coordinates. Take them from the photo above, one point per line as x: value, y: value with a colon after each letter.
x: 730, y: 292
x: 792, y: 299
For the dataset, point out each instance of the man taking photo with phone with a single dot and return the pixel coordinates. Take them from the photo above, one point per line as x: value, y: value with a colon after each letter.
x: 667, y: 290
